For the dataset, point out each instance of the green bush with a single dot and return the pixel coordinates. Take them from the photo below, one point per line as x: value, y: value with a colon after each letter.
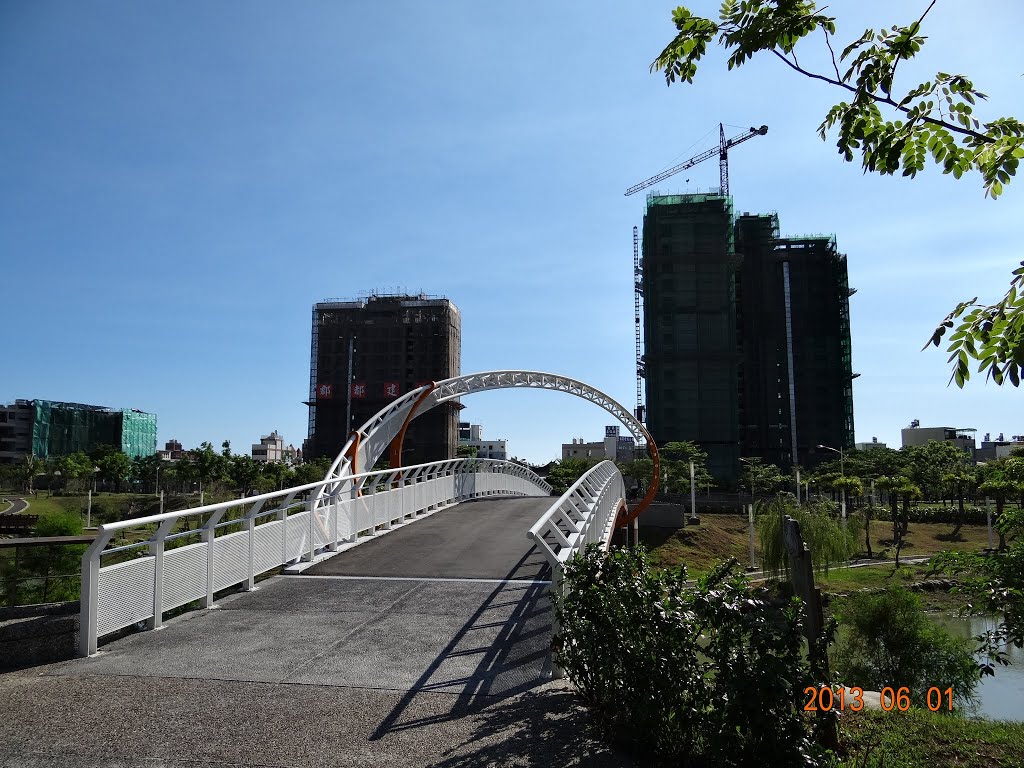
x: 710, y: 673
x: 44, y: 573
x: 887, y: 640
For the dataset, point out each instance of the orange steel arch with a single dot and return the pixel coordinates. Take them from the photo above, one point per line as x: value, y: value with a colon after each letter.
x: 395, y: 449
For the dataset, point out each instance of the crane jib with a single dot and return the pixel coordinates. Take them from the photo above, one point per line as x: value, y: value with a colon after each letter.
x: 721, y: 150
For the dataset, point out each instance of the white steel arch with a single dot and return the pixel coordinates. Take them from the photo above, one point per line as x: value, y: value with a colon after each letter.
x: 368, y: 443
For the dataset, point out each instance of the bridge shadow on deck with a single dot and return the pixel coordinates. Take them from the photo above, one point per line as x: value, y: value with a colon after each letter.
x: 515, y: 661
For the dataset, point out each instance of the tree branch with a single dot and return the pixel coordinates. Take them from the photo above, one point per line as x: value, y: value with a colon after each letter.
x: 829, y: 44
x: 886, y: 100
x: 913, y: 30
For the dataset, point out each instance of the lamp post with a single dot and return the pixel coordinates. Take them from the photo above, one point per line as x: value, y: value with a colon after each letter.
x: 747, y: 461
x: 842, y: 471
x: 750, y: 512
x: 842, y: 457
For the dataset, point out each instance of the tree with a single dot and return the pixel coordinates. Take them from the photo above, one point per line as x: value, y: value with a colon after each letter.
x: 243, y: 471
x: 959, y: 482
x: 827, y: 542
x: 999, y: 488
x: 206, y: 464
x: 757, y: 475
x: 146, y: 469
x: 847, y: 485
x: 887, y: 640
x: 995, y: 580
x: 29, y: 469
x: 897, y: 486
x: 566, y: 472
x: 467, y: 451
x: 890, y: 130
x: 115, y: 467
x: 675, y: 466
x: 928, y: 463
x: 278, y: 474
x: 312, y: 471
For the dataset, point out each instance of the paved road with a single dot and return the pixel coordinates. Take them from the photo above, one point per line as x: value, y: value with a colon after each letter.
x: 17, y: 506
x: 398, y: 665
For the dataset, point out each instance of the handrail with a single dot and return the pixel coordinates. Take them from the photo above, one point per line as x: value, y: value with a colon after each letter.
x: 143, y: 588
x: 584, y: 514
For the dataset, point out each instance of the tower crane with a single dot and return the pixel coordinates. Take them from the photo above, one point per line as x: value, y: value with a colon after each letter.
x: 722, y: 150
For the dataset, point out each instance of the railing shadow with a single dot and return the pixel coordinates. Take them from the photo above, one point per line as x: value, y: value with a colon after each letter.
x: 516, y: 661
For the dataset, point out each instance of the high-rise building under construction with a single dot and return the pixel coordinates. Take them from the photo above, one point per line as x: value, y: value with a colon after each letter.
x: 747, y: 335
x: 367, y: 352
x: 690, y: 325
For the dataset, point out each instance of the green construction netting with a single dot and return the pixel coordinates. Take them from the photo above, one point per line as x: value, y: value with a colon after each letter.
x: 63, y: 428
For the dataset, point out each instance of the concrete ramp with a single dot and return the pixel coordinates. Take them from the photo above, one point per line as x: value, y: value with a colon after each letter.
x: 377, y: 657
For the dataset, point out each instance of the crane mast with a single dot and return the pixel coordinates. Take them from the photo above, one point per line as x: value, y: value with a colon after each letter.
x: 638, y: 289
x: 722, y: 150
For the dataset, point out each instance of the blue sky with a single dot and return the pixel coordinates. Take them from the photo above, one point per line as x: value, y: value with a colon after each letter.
x: 182, y: 181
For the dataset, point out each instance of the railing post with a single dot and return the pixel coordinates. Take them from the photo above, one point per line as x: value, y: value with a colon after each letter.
x: 250, y: 527
x: 210, y: 536
x: 311, y: 508
x: 88, y: 616
x: 332, y: 510
x: 250, y: 579
x: 282, y: 515
x: 156, y: 549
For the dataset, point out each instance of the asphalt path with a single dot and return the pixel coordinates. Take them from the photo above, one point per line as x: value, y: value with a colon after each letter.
x: 17, y: 506
x: 479, y: 539
x: 396, y: 658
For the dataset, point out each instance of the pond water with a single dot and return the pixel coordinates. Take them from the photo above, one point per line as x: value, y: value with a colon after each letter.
x: 1001, y: 697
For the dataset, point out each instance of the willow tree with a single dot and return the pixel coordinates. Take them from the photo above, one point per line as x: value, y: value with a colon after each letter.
x: 826, y: 540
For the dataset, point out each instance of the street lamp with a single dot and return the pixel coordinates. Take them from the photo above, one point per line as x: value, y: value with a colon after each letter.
x: 842, y: 471
x: 748, y: 460
x: 842, y: 457
x: 750, y: 510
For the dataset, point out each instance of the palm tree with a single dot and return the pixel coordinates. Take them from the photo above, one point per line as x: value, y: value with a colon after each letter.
x: 853, y: 486
x: 959, y: 482
x: 897, y: 486
x: 999, y: 488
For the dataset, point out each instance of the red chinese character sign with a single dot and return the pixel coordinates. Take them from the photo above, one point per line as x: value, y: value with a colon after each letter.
x: 324, y: 391
x: 358, y: 390
x: 390, y: 389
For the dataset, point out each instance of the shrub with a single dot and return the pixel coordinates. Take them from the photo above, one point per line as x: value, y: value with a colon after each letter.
x: 706, y: 673
x: 886, y: 640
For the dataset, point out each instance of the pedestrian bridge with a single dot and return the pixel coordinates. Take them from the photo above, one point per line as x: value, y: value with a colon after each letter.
x: 138, y: 571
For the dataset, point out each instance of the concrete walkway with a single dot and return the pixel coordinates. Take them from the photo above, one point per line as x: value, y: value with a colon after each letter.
x: 374, y: 658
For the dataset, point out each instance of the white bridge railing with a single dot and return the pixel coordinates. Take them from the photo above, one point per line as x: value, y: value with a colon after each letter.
x: 160, y: 567
x: 584, y: 514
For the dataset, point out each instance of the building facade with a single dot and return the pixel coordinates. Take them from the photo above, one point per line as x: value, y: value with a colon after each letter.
x: 271, y: 448
x: 793, y: 323
x: 961, y: 437
x: 48, y: 428
x: 366, y: 353
x: 615, y: 446
x: 472, y: 436
x: 747, y: 336
x: 690, y: 351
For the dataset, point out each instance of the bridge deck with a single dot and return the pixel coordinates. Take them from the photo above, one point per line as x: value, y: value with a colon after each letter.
x: 480, y: 539
x: 378, y: 660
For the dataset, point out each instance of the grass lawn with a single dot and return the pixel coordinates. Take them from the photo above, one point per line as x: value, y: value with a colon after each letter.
x: 921, y: 738
x: 723, y: 536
